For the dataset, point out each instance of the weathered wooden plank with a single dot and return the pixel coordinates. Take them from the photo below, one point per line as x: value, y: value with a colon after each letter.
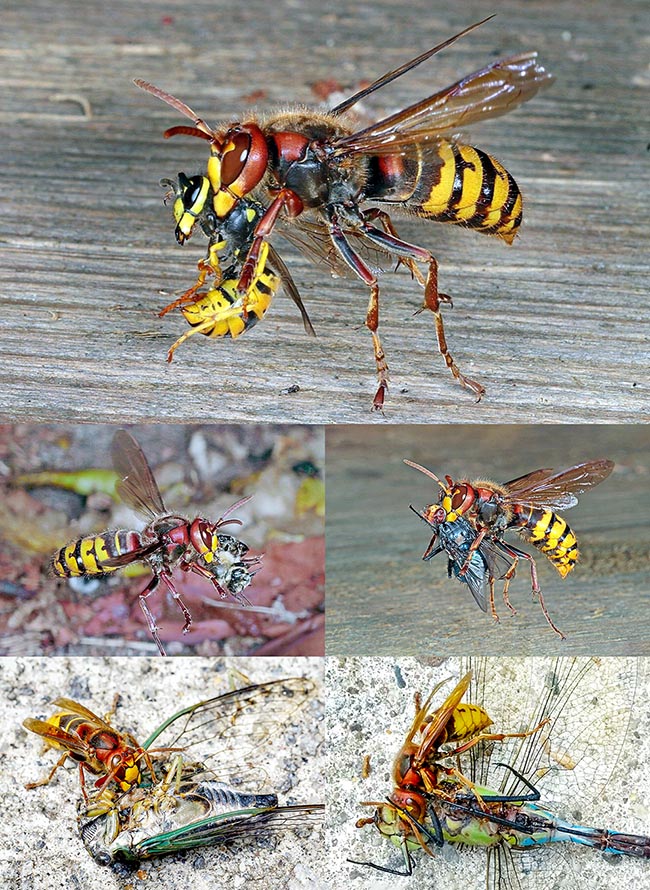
x: 555, y: 327
x: 383, y: 600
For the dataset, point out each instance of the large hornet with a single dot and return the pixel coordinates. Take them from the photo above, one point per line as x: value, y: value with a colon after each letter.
x: 424, y: 768
x: 168, y: 540
x: 93, y: 743
x: 220, y: 310
x: 314, y: 168
x: 526, y: 504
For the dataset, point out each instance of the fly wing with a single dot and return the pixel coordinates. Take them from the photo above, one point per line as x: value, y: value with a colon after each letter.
x: 558, y: 490
x: 489, y: 92
x: 137, y: 486
x: 229, y: 733
x: 456, y: 538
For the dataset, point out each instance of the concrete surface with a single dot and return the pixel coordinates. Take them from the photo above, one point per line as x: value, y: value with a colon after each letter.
x: 40, y: 848
x: 369, y: 713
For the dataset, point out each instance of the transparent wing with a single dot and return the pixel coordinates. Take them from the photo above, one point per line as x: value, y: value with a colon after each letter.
x: 489, y: 92
x: 217, y: 830
x: 312, y: 238
x: 587, y: 704
x: 137, y: 486
x: 558, y: 490
x: 229, y: 733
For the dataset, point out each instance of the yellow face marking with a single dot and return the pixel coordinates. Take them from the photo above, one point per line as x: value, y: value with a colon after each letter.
x: 213, y: 172
x: 224, y: 202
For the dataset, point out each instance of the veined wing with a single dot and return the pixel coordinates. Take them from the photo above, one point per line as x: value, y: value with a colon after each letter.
x: 229, y: 733
x: 489, y: 92
x: 137, y: 486
x: 558, y: 490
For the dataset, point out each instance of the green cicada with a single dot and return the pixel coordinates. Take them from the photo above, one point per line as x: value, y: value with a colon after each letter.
x: 187, y: 808
x: 205, y: 775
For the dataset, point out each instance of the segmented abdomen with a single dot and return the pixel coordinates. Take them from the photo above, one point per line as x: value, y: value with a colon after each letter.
x: 220, y: 310
x: 89, y: 555
x: 466, y: 721
x: 472, y: 189
x: 549, y: 533
x: 462, y: 185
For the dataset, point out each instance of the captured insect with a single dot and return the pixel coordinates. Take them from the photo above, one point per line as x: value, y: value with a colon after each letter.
x: 426, y: 760
x: 203, y: 781
x: 169, y: 540
x: 315, y: 169
x: 187, y: 808
x: 526, y: 504
x: 486, y: 564
x: 501, y: 792
x: 93, y: 743
x: 221, y: 311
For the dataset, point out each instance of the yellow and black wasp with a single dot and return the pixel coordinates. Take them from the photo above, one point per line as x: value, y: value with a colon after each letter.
x: 318, y: 171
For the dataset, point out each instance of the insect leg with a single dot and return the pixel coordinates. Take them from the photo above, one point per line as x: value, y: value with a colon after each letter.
x: 151, y: 623
x: 46, y: 781
x: 208, y: 266
x: 196, y: 329
x: 372, y: 315
x: 476, y: 543
x: 493, y: 610
x: 284, y: 198
x: 384, y: 219
x: 167, y: 578
x: 432, y: 297
x: 517, y: 554
x: 206, y: 573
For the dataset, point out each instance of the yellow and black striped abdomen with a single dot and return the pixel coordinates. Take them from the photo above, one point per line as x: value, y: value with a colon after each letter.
x: 549, y: 533
x: 469, y: 188
x: 220, y: 312
x: 466, y: 721
x: 89, y: 555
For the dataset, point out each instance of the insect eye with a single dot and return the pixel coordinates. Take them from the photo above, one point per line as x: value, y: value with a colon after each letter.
x: 234, y: 159
x: 206, y: 535
x: 191, y: 191
x: 458, y: 498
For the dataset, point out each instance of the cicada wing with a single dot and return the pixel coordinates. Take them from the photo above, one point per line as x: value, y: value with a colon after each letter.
x: 137, y: 486
x: 227, y: 828
x: 229, y: 733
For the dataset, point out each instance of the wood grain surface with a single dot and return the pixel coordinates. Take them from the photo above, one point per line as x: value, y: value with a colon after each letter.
x: 383, y: 600
x: 555, y: 327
